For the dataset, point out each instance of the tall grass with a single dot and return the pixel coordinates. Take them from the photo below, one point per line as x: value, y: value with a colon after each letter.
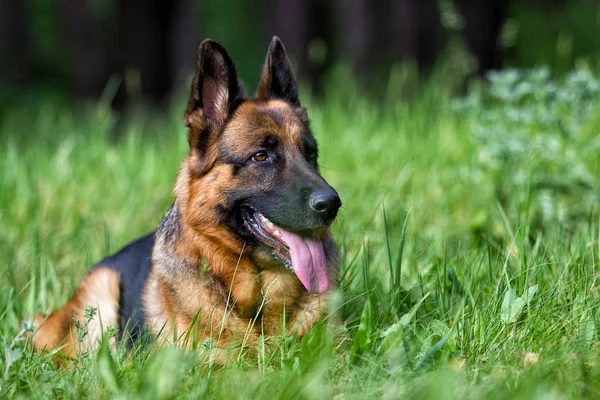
x: 446, y: 290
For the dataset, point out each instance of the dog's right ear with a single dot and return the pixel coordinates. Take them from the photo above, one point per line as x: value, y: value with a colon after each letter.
x: 278, y: 80
x: 216, y: 89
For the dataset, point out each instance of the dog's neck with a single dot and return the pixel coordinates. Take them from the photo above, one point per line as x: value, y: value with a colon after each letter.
x: 180, y: 252
x: 177, y: 240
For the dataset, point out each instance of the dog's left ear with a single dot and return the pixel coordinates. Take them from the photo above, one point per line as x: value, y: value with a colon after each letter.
x: 216, y: 89
x: 278, y: 80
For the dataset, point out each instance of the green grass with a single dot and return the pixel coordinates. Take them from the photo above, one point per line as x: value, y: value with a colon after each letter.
x: 447, y: 290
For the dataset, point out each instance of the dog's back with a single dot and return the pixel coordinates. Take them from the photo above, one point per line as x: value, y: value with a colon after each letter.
x: 114, y: 288
x: 133, y: 264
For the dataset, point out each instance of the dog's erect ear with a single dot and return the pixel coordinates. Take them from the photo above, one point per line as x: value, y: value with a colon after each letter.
x: 216, y: 89
x: 278, y: 80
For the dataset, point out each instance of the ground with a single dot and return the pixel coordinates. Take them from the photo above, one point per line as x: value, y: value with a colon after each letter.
x: 456, y: 281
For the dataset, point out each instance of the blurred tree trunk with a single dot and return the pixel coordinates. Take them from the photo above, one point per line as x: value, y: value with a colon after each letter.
x: 415, y: 31
x: 375, y: 35
x: 183, y: 40
x: 358, y: 27
x: 142, y: 49
x: 301, y: 24
x: 156, y: 42
x: 320, y: 46
x: 290, y: 19
x: 14, y: 41
x: 483, y: 23
x: 85, y: 55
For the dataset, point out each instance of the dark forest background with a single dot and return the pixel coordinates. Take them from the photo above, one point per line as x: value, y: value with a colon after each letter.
x: 142, y: 50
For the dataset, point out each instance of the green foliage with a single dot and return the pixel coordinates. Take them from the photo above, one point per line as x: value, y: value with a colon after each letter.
x: 512, y: 306
x: 539, y: 139
x: 443, y: 294
x: 12, y: 352
x: 555, y: 34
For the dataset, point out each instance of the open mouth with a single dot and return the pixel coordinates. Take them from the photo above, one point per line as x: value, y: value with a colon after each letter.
x: 304, y: 254
x: 268, y: 234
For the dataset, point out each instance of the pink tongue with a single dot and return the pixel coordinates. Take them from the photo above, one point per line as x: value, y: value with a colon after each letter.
x: 308, y: 261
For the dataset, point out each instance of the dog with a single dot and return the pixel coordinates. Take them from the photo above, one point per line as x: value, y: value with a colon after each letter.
x: 245, y: 249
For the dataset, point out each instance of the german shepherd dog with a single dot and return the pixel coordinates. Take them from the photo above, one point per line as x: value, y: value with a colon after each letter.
x: 245, y: 248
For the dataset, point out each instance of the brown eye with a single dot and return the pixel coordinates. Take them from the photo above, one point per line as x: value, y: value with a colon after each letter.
x: 311, y: 154
x: 260, y: 156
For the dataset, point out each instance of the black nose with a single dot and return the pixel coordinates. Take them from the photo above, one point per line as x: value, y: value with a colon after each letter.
x: 326, y: 203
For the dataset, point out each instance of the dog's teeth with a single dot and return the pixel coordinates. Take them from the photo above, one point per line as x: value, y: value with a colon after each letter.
x: 265, y: 221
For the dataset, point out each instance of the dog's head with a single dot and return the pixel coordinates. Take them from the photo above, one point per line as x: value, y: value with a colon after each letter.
x: 253, y: 169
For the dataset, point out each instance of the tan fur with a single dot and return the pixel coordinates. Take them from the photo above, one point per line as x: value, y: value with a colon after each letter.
x: 186, y: 308
x: 100, y: 289
x: 254, y: 120
x: 204, y: 239
x: 228, y: 307
x: 206, y: 289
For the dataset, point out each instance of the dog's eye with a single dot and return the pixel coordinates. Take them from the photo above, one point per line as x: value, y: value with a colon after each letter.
x: 311, y: 154
x: 260, y: 156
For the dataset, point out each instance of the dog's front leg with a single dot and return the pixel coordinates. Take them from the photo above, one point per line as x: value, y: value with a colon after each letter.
x: 307, y: 313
